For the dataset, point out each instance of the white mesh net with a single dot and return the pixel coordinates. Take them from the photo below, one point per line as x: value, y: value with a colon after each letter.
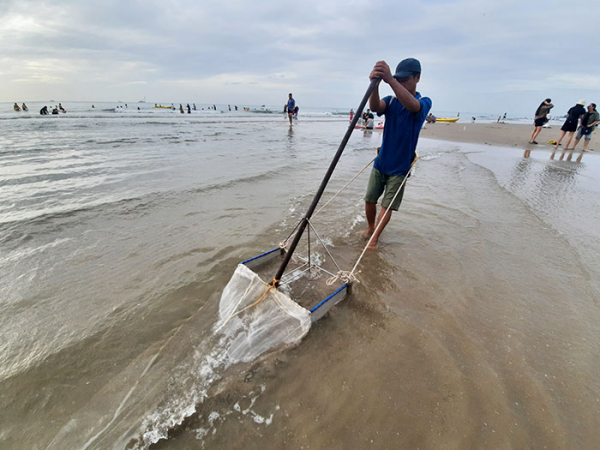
x: 256, y: 318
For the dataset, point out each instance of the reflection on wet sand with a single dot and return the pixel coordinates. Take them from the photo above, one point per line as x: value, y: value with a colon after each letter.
x: 569, y: 155
x: 547, y: 187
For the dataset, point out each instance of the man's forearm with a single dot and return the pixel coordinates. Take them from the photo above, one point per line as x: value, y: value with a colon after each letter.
x: 405, y: 97
x: 375, y: 102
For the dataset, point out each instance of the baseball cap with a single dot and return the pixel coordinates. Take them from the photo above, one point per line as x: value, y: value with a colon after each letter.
x: 407, y: 67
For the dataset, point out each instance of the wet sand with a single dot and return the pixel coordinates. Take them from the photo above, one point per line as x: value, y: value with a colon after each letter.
x: 503, y: 134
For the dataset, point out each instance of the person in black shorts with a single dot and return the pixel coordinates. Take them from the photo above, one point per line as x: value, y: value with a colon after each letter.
x: 541, y: 117
x: 570, y: 125
x: 589, y: 122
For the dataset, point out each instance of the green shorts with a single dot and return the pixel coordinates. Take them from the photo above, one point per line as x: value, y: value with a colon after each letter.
x: 387, y: 185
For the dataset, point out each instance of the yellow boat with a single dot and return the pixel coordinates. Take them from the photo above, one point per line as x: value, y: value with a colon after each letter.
x: 162, y: 107
x: 443, y: 119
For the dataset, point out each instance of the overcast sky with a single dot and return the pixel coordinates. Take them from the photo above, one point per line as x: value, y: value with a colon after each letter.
x: 478, y: 56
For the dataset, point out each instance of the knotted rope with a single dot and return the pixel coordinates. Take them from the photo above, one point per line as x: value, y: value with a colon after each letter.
x: 344, y: 275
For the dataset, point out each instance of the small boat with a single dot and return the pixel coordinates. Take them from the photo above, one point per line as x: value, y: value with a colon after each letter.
x: 163, y: 107
x: 443, y: 119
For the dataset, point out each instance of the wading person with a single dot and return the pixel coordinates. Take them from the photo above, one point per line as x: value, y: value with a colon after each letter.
x: 291, y: 104
x: 404, y: 116
x: 541, y: 117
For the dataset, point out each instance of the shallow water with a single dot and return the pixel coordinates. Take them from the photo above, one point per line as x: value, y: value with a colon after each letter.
x: 474, y: 325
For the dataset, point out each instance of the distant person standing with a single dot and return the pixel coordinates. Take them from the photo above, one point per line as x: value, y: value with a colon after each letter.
x: 570, y: 125
x: 16, y: 107
x: 351, y: 114
x: 181, y: 109
x: 291, y: 104
x: 189, y: 109
x: 541, y: 117
x: 24, y: 107
x: 589, y: 122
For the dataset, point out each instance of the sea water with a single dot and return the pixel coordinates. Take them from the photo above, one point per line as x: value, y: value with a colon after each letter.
x: 475, y: 324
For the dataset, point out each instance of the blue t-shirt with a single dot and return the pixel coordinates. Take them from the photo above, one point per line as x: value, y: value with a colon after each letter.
x: 291, y: 104
x: 400, y: 135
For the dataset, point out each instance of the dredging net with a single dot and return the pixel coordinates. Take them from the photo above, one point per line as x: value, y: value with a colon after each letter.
x: 256, y: 317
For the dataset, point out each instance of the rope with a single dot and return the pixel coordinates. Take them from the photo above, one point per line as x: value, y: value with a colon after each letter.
x: 347, y: 184
x: 283, y: 244
x: 343, y: 275
x: 380, y: 222
x: 324, y: 246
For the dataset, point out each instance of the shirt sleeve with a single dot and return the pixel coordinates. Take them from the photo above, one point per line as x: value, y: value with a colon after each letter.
x: 425, y: 107
x: 388, y: 101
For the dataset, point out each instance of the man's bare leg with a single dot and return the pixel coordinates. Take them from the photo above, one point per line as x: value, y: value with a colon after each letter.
x: 290, y: 117
x: 382, y: 221
x: 585, y: 145
x: 371, y: 213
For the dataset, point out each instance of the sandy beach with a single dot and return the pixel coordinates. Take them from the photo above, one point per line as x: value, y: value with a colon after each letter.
x: 503, y: 134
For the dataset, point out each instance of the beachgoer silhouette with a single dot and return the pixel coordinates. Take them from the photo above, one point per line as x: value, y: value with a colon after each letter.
x: 589, y: 122
x: 570, y: 125
x: 290, y: 105
x: 541, y: 117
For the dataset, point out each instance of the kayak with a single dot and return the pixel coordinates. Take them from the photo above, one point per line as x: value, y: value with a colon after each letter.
x: 442, y: 119
x: 163, y: 107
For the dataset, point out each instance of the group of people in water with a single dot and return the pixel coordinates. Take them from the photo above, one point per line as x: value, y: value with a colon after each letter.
x: 56, y: 110
x: 579, y: 119
x: 44, y: 111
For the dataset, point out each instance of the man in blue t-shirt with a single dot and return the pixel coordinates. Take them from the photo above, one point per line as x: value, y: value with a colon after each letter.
x: 404, y: 117
x: 291, y: 104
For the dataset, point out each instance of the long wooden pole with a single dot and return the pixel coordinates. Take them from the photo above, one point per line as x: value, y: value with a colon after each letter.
x: 319, y: 193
